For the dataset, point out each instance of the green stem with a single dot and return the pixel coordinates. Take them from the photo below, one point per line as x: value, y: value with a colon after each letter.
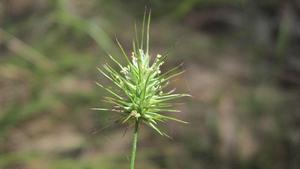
x: 134, y: 144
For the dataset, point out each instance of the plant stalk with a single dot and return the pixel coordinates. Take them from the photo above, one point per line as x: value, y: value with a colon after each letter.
x: 134, y: 144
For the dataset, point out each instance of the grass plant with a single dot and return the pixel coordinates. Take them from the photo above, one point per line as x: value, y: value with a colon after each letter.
x: 139, y: 93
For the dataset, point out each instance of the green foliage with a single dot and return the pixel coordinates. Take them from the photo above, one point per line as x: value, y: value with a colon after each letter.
x: 49, y: 50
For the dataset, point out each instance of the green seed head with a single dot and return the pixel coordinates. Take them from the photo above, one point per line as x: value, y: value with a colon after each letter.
x: 139, y: 92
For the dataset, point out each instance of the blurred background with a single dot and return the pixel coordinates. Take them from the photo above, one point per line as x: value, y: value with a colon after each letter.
x: 242, y: 67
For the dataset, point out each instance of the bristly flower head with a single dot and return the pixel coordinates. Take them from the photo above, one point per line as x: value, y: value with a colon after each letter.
x: 142, y: 85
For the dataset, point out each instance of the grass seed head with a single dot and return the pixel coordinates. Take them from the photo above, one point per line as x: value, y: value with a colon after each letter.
x: 142, y: 85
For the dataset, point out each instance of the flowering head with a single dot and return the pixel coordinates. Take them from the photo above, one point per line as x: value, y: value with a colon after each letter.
x: 142, y: 85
